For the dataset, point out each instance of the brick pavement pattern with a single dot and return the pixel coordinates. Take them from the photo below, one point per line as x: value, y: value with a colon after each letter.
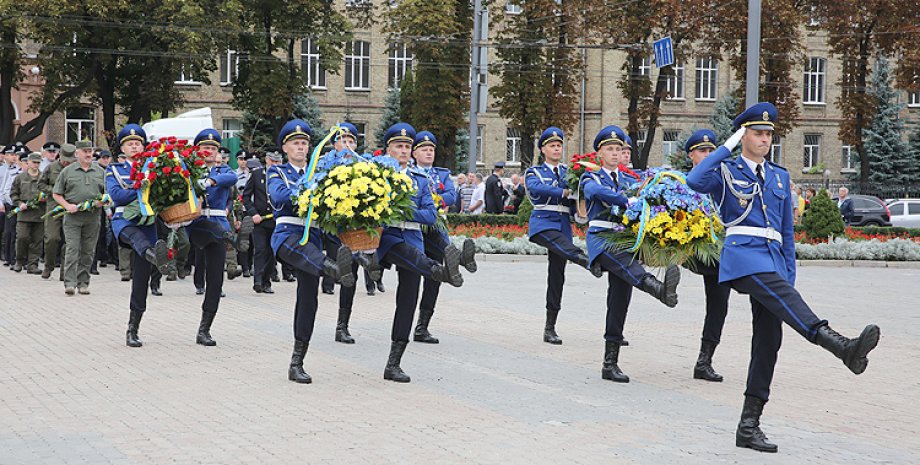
x: 491, y: 392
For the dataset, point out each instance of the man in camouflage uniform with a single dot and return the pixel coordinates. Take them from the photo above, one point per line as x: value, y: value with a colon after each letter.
x: 54, y: 232
x: 29, y: 226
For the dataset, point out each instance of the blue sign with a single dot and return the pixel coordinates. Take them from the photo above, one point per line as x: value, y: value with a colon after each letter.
x: 664, y: 52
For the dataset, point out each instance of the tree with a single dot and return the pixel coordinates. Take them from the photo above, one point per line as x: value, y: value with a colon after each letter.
x: 391, y: 116
x: 538, y: 68
x: 722, y: 117
x: 822, y: 219
x: 440, y: 74
x: 888, y: 155
x: 258, y: 132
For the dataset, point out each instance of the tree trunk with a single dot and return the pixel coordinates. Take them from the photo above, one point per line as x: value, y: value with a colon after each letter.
x: 105, y: 82
x: 528, y: 156
x: 9, y: 65
x: 860, y: 117
x: 447, y: 158
x: 632, y: 123
x: 641, y: 161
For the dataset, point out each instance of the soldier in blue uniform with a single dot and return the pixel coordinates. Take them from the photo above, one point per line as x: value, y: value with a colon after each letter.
x: 211, y: 232
x: 402, y: 244
x: 603, y: 193
x: 133, y: 230
x: 308, y: 260
x: 436, y: 240
x: 758, y: 259
x: 550, y: 224
x: 698, y: 146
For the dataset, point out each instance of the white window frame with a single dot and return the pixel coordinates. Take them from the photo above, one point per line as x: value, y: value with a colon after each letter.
x: 399, y: 64
x: 913, y: 99
x: 357, y: 67
x: 313, y: 71
x: 185, y: 79
x: 228, y: 132
x: 675, y: 82
x: 815, y: 81
x: 513, y: 8
x: 776, y: 151
x: 513, y: 145
x: 669, y: 140
x: 812, y: 152
x: 640, y: 139
x: 707, y: 79
x: 229, y: 67
x: 360, y: 137
x: 480, y: 155
x: 846, y: 162
x: 81, y: 123
x: 645, y: 68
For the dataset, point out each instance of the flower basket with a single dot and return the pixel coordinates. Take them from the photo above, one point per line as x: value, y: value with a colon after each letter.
x: 361, y: 239
x: 179, y: 213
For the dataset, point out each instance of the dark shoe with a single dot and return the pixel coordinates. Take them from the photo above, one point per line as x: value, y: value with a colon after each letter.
x: 468, y: 256
x: 421, y: 329
x: 204, y: 330
x: 158, y: 256
x: 155, y: 291
x: 125, y: 278
x: 103, y: 264
x: 340, y: 269
x: 222, y: 294
x: 380, y: 287
x: 199, y: 291
x: 665, y: 291
x: 295, y: 371
x: 134, y: 323
x: 17, y: 268
x: 596, y: 270
x: 69, y: 290
x: 749, y: 434
x: 624, y: 343
x: 182, y: 273
x: 172, y: 276
x: 46, y: 274
x: 369, y: 262
x: 257, y: 288
x: 266, y: 289
x: 289, y: 278
x: 33, y: 270
x: 341, y: 327
x: 329, y: 291
x: 449, y: 272
x: 247, y: 274
x: 703, y: 368
x: 392, y: 371
x: 94, y: 271
x: 852, y: 351
x: 549, y: 331
x: 371, y: 291
x: 233, y: 273
x: 610, y: 369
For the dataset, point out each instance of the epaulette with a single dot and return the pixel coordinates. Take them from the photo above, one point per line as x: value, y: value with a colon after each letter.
x: 778, y: 166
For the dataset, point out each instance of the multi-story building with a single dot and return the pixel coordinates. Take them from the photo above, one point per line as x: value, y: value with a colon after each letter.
x: 812, y: 151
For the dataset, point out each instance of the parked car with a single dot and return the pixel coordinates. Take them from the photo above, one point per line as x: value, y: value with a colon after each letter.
x: 869, y: 210
x: 905, y: 213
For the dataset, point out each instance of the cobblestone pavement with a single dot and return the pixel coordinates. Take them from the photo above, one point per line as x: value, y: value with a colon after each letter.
x: 491, y: 392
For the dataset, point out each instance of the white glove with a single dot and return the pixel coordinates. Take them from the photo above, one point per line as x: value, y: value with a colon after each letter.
x: 203, y: 183
x: 732, y: 141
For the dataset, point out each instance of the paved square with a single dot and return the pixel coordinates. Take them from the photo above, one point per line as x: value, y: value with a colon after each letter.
x: 491, y: 392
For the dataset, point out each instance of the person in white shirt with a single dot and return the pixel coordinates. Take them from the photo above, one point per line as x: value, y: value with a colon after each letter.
x: 50, y: 153
x: 478, y: 200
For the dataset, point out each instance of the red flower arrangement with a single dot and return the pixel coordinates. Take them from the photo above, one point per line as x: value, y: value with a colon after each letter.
x: 579, y: 165
x: 169, y: 168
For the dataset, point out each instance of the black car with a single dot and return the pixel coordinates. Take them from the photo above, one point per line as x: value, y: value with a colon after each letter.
x: 869, y: 211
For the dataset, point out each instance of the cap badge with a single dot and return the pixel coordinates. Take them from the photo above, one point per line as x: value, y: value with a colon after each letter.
x: 705, y: 138
x: 766, y: 116
x: 402, y: 132
x: 133, y: 133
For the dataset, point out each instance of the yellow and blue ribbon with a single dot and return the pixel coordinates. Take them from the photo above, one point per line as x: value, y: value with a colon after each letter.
x: 311, y: 168
x: 143, y: 195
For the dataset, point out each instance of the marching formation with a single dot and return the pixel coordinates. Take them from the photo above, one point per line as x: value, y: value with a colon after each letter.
x: 325, y: 216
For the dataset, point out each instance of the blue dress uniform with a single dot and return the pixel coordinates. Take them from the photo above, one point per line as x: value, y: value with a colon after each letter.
x: 209, y: 232
x: 603, y: 193
x: 758, y: 259
x: 437, y: 240
x: 716, y: 294
x: 141, y: 238
x: 551, y: 226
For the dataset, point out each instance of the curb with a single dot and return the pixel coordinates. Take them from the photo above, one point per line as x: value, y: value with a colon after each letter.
x: 515, y: 258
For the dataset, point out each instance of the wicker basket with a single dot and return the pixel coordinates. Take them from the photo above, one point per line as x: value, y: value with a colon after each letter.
x: 360, y: 239
x: 179, y: 213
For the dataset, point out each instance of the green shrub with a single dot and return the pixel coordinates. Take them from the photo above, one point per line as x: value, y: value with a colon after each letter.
x: 485, y: 219
x: 523, y: 214
x: 823, y: 219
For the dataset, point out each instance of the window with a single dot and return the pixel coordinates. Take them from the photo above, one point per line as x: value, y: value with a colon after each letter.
x: 314, y: 74
x: 815, y: 73
x: 913, y: 99
x: 185, y: 76
x: 400, y: 64
x: 707, y: 78
x: 229, y: 67
x: 776, y: 151
x: 676, y: 82
x: 846, y: 157
x: 480, y: 130
x: 513, y: 150
x: 669, y: 143
x: 513, y: 8
x: 645, y: 69
x: 812, y: 150
x: 913, y: 208
x: 361, y: 127
x: 896, y: 209
x: 81, y: 124
x: 358, y: 65
x: 640, y: 139
x: 232, y: 128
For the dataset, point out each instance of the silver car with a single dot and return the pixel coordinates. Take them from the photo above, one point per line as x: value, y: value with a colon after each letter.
x: 905, y: 213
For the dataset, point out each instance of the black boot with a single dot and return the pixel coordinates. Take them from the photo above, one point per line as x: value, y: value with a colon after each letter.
x: 421, y: 329
x: 582, y: 261
x: 449, y: 272
x: 392, y: 371
x: 665, y: 291
x: 340, y: 269
x: 341, y: 327
x: 468, y: 256
x: 703, y: 368
x: 611, y: 370
x: 158, y: 256
x: 852, y: 351
x: 204, y: 330
x: 134, y: 322
x: 369, y: 262
x: 295, y: 371
x: 749, y: 434
x: 549, y: 331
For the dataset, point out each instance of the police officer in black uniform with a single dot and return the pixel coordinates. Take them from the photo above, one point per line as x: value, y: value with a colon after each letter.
x: 259, y: 208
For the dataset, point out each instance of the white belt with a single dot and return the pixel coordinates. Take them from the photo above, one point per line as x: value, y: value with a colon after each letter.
x: 291, y: 220
x: 411, y: 225
x: 768, y: 233
x: 552, y: 208
x: 213, y: 212
x: 600, y: 224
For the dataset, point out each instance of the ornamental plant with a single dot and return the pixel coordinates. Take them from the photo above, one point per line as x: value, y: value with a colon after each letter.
x: 169, y: 170
x: 822, y: 219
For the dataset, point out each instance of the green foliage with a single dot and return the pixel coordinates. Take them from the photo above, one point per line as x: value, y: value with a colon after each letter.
x: 822, y: 219
x: 390, y: 117
x: 889, y: 158
x: 259, y: 130
x: 723, y: 113
x: 888, y: 230
x: 678, y: 159
x: 524, y: 211
x: 486, y: 219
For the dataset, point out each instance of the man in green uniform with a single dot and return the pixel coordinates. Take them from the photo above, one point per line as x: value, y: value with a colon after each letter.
x: 29, y: 226
x: 78, y: 183
x: 53, y: 226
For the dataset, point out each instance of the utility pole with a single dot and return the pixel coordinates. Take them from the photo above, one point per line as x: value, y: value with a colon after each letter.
x: 478, y: 64
x: 752, y: 84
